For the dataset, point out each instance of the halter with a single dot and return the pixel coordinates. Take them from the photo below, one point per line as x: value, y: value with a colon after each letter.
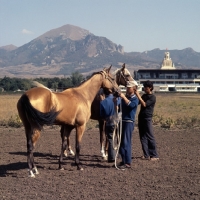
x: 112, y: 80
x: 122, y: 75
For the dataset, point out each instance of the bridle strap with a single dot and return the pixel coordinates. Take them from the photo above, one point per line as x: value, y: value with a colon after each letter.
x: 122, y: 75
x: 106, y: 76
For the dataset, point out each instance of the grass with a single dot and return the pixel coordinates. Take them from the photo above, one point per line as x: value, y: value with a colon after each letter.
x: 8, y: 106
x: 178, y: 109
x: 171, y: 110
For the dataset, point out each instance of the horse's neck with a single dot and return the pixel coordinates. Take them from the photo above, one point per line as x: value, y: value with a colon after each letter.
x: 90, y: 88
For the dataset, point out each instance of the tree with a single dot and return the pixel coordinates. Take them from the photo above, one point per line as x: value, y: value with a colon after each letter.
x: 76, y: 78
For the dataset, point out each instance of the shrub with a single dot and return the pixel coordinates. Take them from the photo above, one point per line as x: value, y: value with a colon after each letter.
x: 167, y: 123
x: 187, y: 122
x: 12, y: 122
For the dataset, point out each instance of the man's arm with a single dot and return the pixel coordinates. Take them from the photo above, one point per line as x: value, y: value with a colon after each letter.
x: 140, y: 98
x: 125, y: 99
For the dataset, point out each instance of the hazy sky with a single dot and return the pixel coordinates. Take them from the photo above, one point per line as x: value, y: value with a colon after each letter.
x: 138, y: 25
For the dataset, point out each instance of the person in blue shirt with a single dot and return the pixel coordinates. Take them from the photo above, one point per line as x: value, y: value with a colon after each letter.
x: 129, y: 106
x: 108, y: 109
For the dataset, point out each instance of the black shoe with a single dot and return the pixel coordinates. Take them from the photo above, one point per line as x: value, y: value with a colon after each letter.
x: 144, y: 158
x: 123, y: 167
x: 121, y: 164
x: 111, y: 161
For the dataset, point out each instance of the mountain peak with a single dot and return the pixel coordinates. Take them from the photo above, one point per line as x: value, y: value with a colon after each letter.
x: 67, y: 31
x: 9, y: 47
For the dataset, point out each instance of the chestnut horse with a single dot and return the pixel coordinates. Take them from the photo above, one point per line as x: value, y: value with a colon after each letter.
x: 71, y: 108
x: 122, y: 76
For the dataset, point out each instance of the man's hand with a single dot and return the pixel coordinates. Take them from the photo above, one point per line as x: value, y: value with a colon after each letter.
x: 101, y: 97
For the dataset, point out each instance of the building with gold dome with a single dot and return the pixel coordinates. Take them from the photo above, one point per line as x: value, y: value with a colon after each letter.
x: 170, y: 79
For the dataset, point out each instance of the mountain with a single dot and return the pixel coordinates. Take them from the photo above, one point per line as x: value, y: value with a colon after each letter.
x: 8, y: 47
x: 186, y: 58
x: 69, y: 48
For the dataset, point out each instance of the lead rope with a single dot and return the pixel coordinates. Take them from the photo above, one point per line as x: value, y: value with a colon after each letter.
x: 119, y: 137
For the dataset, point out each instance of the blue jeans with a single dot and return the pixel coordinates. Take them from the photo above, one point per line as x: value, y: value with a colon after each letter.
x: 109, y: 133
x: 147, y: 138
x: 126, y: 140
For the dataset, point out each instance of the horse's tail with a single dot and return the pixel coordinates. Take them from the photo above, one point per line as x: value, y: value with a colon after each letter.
x: 37, y: 84
x: 34, y: 115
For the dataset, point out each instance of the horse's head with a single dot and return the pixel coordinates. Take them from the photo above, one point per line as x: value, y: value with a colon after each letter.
x: 108, y: 80
x: 122, y: 76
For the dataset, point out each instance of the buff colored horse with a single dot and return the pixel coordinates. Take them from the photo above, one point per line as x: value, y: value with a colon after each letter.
x: 122, y: 76
x: 71, y: 108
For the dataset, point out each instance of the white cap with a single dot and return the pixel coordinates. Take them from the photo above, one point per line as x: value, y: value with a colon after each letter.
x: 131, y: 83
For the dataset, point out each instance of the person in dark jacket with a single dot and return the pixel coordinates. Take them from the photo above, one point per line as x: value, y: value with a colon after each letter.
x: 147, y: 138
x: 108, y: 109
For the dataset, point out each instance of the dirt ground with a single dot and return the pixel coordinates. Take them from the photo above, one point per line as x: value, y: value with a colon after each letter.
x: 175, y: 176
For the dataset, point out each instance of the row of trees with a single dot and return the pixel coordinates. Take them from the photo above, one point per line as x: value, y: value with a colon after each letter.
x: 14, y: 84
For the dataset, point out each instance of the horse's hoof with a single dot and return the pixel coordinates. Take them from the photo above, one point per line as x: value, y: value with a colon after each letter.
x: 80, y: 168
x: 31, y: 174
x: 62, y: 168
x: 65, y: 153
x: 71, y: 153
x: 105, y: 157
x: 35, y: 171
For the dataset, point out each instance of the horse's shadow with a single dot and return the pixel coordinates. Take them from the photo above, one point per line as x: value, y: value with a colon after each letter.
x: 36, y: 154
x: 9, y: 169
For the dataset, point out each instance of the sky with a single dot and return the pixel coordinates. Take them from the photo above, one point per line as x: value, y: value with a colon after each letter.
x: 137, y: 25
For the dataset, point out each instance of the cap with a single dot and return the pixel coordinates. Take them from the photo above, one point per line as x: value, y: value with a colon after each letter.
x: 131, y: 83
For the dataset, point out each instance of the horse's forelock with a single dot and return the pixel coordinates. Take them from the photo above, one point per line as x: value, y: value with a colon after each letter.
x: 115, y: 72
x: 127, y: 72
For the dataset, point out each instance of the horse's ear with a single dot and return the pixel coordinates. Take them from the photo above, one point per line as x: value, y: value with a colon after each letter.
x: 109, y: 68
x: 123, y: 67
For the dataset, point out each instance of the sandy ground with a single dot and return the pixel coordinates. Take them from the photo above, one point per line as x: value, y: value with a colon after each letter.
x: 175, y: 176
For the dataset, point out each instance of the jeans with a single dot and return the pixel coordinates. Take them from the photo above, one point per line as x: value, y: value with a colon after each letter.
x: 126, y: 140
x: 147, y: 138
x: 109, y: 133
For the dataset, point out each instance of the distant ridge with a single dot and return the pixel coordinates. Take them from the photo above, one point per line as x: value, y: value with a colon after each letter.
x: 69, y: 48
x: 8, y: 47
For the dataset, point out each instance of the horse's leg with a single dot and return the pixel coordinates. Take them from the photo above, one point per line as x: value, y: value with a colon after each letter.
x: 32, y: 137
x: 79, y: 134
x: 62, y: 130
x: 106, y: 148
x: 65, y: 132
x: 69, y: 146
x: 67, y: 143
x: 102, y: 135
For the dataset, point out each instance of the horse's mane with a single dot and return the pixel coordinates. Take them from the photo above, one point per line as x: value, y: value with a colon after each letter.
x: 37, y: 84
x: 82, y: 82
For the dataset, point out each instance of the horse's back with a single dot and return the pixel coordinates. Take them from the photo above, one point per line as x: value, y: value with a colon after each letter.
x: 40, y: 98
